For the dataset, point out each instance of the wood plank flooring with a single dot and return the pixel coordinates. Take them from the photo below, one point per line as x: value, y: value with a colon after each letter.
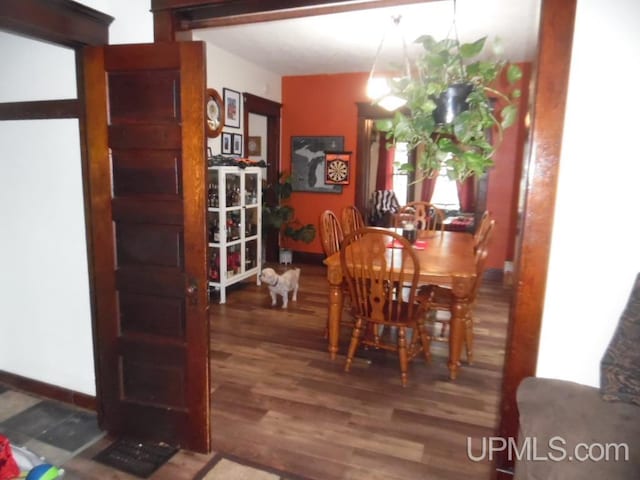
x: 278, y: 400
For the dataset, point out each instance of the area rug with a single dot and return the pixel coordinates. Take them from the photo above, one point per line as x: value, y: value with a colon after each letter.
x: 137, y: 458
x: 228, y: 467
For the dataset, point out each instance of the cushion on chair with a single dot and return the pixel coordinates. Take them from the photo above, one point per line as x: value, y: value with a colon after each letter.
x: 620, y: 366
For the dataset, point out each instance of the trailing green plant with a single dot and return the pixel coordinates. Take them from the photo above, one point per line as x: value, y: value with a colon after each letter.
x: 279, y: 215
x: 461, y: 145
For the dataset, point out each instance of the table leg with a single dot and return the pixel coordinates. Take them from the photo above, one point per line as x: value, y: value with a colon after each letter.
x: 335, y: 309
x: 461, y: 290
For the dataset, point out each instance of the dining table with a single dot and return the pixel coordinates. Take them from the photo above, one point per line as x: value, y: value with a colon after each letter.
x: 446, y: 259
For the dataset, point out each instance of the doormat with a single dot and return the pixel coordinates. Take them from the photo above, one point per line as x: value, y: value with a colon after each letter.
x: 137, y: 458
x: 228, y: 467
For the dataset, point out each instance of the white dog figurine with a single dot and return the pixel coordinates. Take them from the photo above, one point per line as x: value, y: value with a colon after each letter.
x: 281, y: 284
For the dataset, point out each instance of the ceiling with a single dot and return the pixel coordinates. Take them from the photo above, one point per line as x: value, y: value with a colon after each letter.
x: 347, y: 42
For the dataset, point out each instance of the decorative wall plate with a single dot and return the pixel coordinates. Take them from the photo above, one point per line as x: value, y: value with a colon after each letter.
x: 214, y: 112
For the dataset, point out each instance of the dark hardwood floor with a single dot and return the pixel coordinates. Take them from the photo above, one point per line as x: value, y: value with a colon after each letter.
x: 278, y: 400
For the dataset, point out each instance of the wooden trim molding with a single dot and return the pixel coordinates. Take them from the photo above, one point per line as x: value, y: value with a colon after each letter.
x: 47, y: 390
x: 193, y: 14
x: 272, y: 111
x: 367, y: 114
x: 40, y: 110
x: 62, y: 22
x: 552, y: 76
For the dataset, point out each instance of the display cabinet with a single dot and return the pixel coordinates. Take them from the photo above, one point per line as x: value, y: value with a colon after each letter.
x: 234, y: 217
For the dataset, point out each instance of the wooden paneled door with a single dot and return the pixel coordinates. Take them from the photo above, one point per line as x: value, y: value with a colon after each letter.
x: 146, y: 150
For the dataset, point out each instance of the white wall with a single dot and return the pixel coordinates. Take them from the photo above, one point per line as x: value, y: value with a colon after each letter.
x: 46, y: 314
x: 133, y: 22
x: 45, y: 317
x: 595, y: 251
x: 224, y: 70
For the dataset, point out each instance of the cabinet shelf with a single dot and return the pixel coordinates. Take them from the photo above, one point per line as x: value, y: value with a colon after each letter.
x: 234, y: 247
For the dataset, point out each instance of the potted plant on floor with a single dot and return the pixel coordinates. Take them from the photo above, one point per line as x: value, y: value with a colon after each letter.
x: 451, y: 103
x: 279, y: 216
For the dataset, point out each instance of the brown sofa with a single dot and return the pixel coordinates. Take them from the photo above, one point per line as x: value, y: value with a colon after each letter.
x: 572, y: 431
x: 575, y: 414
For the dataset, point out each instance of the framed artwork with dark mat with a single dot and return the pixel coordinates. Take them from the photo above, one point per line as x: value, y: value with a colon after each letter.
x: 308, y: 163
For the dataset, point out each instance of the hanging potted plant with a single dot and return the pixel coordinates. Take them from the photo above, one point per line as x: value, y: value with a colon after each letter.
x: 451, y: 103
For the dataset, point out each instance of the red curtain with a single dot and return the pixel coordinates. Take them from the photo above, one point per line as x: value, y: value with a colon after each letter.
x: 384, y: 175
x: 428, y: 186
x: 467, y: 194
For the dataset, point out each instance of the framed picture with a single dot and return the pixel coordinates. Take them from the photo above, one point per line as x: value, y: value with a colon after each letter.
x: 337, y: 168
x: 225, y: 148
x: 308, y: 163
x: 254, y: 146
x: 237, y: 144
x: 231, y: 108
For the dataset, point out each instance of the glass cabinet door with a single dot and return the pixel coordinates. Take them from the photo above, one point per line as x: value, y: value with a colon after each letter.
x: 234, y: 208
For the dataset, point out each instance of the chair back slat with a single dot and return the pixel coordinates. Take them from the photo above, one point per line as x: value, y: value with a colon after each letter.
x: 330, y: 233
x: 484, y: 230
x: 351, y: 219
x: 425, y: 216
x: 382, y: 281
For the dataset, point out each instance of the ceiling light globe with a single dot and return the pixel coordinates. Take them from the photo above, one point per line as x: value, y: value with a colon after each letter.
x: 377, y: 87
x: 391, y: 102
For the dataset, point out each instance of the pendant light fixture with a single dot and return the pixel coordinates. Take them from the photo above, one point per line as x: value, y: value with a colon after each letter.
x: 379, y: 83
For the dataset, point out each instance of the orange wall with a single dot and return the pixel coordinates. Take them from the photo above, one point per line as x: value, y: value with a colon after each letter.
x: 321, y: 105
x: 326, y: 105
x: 504, y: 179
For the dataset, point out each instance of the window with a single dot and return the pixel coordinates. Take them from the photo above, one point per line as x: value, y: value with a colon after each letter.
x: 401, y: 177
x: 445, y: 192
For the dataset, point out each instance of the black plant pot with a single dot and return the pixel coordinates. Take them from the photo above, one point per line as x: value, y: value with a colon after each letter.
x: 452, y: 102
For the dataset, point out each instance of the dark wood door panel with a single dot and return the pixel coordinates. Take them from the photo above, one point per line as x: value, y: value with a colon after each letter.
x: 142, y: 244
x: 149, y: 56
x: 145, y: 119
x: 138, y: 209
x: 147, y: 369
x: 136, y: 421
x: 141, y: 313
x: 151, y: 281
x: 154, y: 136
x: 146, y: 173
x: 148, y: 96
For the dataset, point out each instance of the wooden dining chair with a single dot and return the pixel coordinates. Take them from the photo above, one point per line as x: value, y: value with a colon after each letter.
x: 330, y: 233
x: 351, y: 219
x: 383, y: 285
x: 331, y: 237
x: 436, y: 298
x: 483, y: 232
x: 425, y: 216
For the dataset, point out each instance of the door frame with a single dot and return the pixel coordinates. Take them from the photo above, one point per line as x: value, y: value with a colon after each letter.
x: 272, y: 110
x: 551, y: 76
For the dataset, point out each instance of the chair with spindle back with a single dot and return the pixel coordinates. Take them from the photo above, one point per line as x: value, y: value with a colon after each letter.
x: 330, y: 233
x: 351, y: 219
x: 483, y: 232
x: 436, y: 298
x: 425, y: 216
x: 383, y: 283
